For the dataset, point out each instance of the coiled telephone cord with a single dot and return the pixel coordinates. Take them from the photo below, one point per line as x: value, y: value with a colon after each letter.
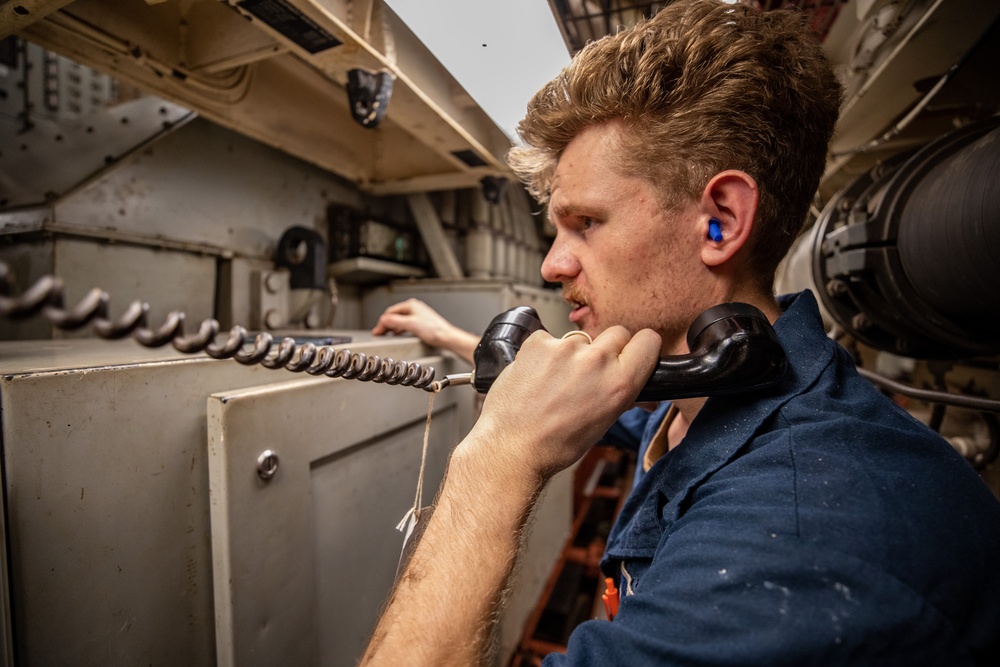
x: 46, y: 297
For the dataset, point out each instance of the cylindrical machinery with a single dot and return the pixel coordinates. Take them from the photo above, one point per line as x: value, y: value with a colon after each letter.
x: 907, y: 257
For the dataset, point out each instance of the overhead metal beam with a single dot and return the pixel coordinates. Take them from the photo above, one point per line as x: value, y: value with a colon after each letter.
x: 445, y: 263
x: 278, y: 74
x: 18, y: 15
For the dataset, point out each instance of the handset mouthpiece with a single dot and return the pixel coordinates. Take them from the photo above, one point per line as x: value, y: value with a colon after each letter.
x: 500, y: 344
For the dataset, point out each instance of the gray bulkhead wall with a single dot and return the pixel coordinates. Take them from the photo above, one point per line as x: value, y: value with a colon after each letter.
x: 190, y: 221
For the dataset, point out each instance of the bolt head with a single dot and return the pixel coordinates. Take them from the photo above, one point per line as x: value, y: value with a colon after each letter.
x: 267, y: 464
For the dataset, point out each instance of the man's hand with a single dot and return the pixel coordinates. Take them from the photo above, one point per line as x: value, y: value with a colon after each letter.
x: 559, y: 396
x: 416, y: 317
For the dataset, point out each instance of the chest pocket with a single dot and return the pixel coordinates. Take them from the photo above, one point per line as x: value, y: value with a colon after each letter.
x: 631, y: 553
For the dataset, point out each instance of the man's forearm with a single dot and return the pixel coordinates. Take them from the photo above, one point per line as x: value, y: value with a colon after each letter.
x: 446, y: 603
x: 462, y: 343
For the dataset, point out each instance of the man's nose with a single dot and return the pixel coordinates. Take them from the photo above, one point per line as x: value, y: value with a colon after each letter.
x: 560, y: 264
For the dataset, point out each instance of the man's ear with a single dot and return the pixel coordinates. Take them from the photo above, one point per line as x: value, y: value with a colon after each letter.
x: 728, y: 207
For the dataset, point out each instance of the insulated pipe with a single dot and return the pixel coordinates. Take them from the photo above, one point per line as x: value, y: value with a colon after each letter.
x: 499, y: 245
x: 907, y: 257
x: 479, y: 241
x: 949, y: 236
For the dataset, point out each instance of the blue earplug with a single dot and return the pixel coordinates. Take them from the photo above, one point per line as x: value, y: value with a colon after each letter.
x: 715, y: 229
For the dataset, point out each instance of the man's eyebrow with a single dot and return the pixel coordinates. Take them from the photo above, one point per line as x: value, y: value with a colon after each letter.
x: 577, y: 210
x: 563, y: 211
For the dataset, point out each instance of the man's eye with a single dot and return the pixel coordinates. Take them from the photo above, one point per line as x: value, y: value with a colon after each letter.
x: 587, y: 223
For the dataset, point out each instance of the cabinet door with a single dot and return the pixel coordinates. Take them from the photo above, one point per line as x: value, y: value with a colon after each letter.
x: 303, y: 561
x: 107, y: 519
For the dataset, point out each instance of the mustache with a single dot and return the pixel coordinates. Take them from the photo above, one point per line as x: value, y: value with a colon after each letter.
x: 574, y: 295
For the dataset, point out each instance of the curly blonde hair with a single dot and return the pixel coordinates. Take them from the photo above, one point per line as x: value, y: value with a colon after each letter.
x: 701, y: 87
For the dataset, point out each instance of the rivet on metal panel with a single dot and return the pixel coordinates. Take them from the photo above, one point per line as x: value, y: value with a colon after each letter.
x: 861, y: 322
x: 267, y: 464
x: 836, y: 288
x: 273, y: 282
x: 273, y: 319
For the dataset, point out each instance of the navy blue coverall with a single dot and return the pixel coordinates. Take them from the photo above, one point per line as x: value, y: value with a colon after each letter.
x: 814, y: 523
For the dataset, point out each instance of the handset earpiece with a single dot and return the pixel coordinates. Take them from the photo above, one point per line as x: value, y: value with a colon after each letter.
x: 733, y: 349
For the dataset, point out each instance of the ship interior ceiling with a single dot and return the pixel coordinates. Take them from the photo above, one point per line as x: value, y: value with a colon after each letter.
x: 258, y: 180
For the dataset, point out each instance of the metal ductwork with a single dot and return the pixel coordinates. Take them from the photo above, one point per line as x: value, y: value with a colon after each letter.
x: 907, y: 257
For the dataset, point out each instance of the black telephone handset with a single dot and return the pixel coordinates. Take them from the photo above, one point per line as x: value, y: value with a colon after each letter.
x: 733, y: 350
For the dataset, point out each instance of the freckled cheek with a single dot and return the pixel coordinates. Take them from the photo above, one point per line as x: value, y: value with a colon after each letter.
x: 654, y: 282
x: 640, y: 265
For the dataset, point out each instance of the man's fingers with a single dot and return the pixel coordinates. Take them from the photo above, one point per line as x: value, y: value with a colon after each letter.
x: 394, y: 318
x: 402, y: 307
x: 644, y: 348
x: 637, y: 355
x: 613, y: 338
x: 390, y: 323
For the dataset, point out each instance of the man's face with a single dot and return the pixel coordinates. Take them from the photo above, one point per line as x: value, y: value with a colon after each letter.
x: 621, y: 258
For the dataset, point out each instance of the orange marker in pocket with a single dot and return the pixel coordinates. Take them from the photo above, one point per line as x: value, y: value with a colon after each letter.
x: 610, y: 598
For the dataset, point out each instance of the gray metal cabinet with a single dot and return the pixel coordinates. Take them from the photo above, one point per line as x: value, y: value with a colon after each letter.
x: 110, y: 540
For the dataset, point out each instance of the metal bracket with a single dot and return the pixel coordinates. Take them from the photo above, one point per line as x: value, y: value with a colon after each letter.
x: 369, y: 96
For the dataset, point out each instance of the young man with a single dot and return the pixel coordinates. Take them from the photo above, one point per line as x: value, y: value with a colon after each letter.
x: 811, y: 523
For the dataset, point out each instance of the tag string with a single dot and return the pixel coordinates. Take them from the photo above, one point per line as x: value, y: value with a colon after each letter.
x: 418, y: 501
x: 412, y: 516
